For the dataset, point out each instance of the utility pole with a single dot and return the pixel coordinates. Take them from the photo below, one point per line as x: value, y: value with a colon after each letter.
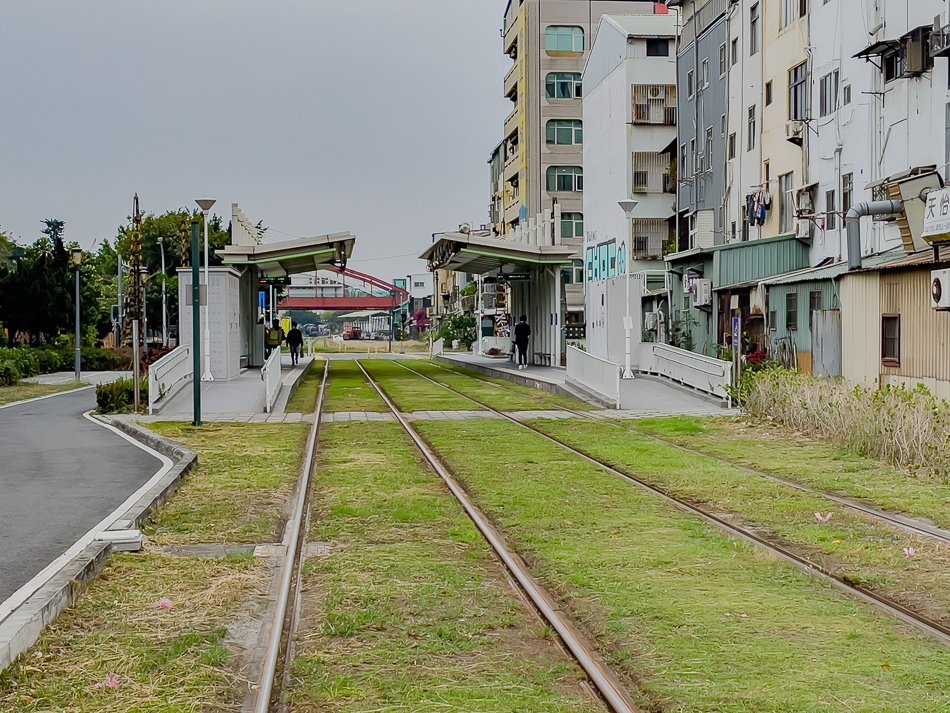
x: 196, y: 323
x: 161, y: 247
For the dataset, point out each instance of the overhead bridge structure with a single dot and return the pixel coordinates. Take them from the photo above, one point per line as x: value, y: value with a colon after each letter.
x: 363, y: 299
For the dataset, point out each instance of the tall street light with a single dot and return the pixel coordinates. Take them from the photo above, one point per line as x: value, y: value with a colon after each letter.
x: 76, y: 262
x: 628, y: 206
x: 161, y: 247
x: 205, y: 205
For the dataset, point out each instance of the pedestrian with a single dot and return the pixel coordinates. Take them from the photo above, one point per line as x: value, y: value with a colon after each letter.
x: 294, y: 341
x: 273, y: 338
x: 522, y: 332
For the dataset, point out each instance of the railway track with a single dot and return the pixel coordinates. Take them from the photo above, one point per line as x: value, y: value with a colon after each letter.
x: 604, y: 680
x: 908, y: 524
x: 931, y: 628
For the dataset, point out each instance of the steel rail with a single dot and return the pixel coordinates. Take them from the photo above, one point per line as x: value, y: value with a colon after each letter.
x: 605, y: 680
x: 290, y: 564
x: 932, y: 628
x: 910, y: 524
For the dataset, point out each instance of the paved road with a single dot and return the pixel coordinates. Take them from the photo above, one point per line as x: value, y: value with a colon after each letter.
x: 60, y: 475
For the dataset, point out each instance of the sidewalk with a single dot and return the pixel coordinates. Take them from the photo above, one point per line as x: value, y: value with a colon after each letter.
x: 87, y: 377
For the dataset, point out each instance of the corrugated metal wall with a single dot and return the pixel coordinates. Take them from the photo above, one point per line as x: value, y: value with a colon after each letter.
x: 861, y: 327
x: 925, y: 332
x: 830, y: 299
x: 757, y: 259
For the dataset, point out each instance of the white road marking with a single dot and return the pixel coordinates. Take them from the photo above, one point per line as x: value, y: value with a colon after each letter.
x: 48, y: 396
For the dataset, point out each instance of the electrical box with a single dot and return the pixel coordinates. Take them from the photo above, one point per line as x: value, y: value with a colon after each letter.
x: 940, y: 289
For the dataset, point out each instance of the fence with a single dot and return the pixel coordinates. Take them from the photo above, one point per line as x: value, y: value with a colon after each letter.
x: 270, y: 373
x: 595, y: 374
x: 168, y: 375
x: 702, y: 373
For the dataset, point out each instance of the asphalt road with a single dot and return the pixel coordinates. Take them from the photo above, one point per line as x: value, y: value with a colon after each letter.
x: 60, y: 475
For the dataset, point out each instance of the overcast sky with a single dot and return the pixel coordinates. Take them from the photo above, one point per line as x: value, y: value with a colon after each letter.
x: 315, y: 116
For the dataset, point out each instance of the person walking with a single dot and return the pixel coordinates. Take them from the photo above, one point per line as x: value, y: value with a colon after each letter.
x: 294, y: 341
x: 522, y: 332
x: 272, y: 338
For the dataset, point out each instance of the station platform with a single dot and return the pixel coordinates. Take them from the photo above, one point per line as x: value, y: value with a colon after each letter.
x: 238, y: 400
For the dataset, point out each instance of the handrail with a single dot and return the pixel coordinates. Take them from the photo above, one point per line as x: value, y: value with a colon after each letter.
x: 696, y: 359
x: 270, y: 373
x: 705, y: 373
x: 168, y: 374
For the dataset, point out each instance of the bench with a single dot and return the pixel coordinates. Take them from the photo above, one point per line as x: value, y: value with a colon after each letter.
x: 542, y: 358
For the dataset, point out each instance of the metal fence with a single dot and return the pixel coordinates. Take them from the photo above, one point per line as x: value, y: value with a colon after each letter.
x: 166, y: 376
x: 701, y: 372
x: 595, y: 374
x: 270, y: 373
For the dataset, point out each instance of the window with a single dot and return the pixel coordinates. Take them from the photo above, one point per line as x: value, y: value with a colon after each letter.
x: 705, y: 73
x: 892, y: 64
x: 828, y: 93
x: 723, y: 62
x: 750, y: 142
x: 735, y: 52
x: 766, y: 171
x: 708, y: 147
x: 846, y: 95
x: 658, y: 48
x: 684, y: 166
x: 563, y: 85
x: 565, y: 132
x: 641, y: 180
x: 732, y: 234
x: 891, y: 339
x: 791, y: 312
x: 815, y: 299
x: 732, y: 146
x: 722, y: 125
x: 572, y: 225
x: 768, y: 93
x: 641, y: 245
x: 786, y: 203
x: 565, y: 178
x: 753, y: 29
x: 692, y: 154
x: 561, y: 38
x: 847, y: 189
x: 573, y: 275
x: 689, y: 83
x: 831, y: 218
x: 798, y: 92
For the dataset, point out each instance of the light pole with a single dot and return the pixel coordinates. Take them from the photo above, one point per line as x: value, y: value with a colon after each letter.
x: 76, y: 262
x: 628, y: 206
x: 205, y: 205
x: 161, y: 247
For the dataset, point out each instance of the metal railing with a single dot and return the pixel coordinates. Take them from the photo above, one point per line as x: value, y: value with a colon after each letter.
x: 701, y: 372
x: 438, y: 346
x: 270, y: 373
x: 168, y: 375
x: 595, y: 374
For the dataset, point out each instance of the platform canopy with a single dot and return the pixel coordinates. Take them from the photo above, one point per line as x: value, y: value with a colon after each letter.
x: 480, y: 255
x: 290, y: 257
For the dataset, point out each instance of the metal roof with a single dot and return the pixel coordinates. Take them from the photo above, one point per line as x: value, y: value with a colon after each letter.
x: 289, y: 257
x: 644, y: 25
x: 478, y: 255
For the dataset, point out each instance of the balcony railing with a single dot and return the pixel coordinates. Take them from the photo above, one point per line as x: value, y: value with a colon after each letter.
x: 940, y: 42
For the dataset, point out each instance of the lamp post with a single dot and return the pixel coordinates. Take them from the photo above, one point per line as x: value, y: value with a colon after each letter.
x: 628, y: 206
x: 161, y: 247
x: 76, y: 262
x: 205, y: 205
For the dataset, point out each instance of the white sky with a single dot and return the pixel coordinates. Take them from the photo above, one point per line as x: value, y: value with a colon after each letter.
x: 315, y: 115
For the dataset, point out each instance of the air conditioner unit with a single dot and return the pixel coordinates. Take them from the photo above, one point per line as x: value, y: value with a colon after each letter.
x: 795, y: 132
x: 915, y: 58
x: 649, y: 321
x: 803, y: 228
x: 702, y: 293
x: 657, y: 92
x: 940, y: 289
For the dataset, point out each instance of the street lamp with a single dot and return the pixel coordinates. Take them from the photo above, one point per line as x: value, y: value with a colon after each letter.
x: 75, y: 261
x: 161, y: 248
x: 628, y: 205
x: 205, y: 205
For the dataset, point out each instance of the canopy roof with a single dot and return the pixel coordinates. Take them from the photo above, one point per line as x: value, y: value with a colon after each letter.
x: 289, y: 257
x: 479, y: 255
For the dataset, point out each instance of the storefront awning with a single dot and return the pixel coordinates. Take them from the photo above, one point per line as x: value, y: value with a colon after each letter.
x: 480, y: 255
x: 290, y: 257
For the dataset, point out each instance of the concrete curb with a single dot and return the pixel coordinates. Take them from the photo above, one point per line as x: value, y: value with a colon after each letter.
x: 549, y: 387
x: 23, y: 627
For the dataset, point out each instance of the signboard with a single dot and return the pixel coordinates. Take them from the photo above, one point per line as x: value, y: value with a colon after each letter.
x: 735, y: 333
x: 937, y: 216
x: 517, y: 277
x: 284, y: 280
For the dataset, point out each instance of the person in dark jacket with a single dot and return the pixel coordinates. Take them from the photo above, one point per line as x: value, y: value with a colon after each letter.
x: 294, y: 341
x: 522, y: 333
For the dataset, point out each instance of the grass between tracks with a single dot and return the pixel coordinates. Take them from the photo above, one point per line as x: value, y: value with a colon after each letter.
x: 497, y: 393
x: 413, y: 393
x: 699, y: 620
x: 25, y: 390
x: 757, y: 444
x: 165, y: 661
x: 245, y: 474
x: 410, y: 612
x: 348, y: 390
x: 853, y: 545
x: 304, y: 399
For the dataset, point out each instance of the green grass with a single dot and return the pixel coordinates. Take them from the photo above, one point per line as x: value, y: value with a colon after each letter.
x: 413, y: 393
x: 167, y: 661
x: 304, y: 399
x: 702, y: 621
x: 410, y: 612
x: 852, y: 545
x: 25, y: 390
x: 245, y: 474
x: 348, y: 390
x: 497, y: 393
x: 813, y: 463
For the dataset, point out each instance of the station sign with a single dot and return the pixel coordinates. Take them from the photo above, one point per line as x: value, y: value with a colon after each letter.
x: 517, y: 277
x: 283, y: 280
x: 937, y: 216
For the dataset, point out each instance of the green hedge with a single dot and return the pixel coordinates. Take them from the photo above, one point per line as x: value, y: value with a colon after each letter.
x: 19, y: 362
x: 119, y: 396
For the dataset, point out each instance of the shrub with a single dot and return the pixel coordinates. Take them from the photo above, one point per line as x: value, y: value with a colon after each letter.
x: 9, y: 373
x: 908, y: 428
x: 461, y: 328
x: 102, y: 359
x: 50, y: 360
x: 119, y: 396
x: 23, y: 358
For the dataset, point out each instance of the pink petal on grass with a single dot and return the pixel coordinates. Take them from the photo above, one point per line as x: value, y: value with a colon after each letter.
x: 910, y: 552
x: 112, y: 681
x: 823, y: 518
x: 164, y: 603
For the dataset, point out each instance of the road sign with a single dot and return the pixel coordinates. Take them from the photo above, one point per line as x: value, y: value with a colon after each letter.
x: 735, y: 332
